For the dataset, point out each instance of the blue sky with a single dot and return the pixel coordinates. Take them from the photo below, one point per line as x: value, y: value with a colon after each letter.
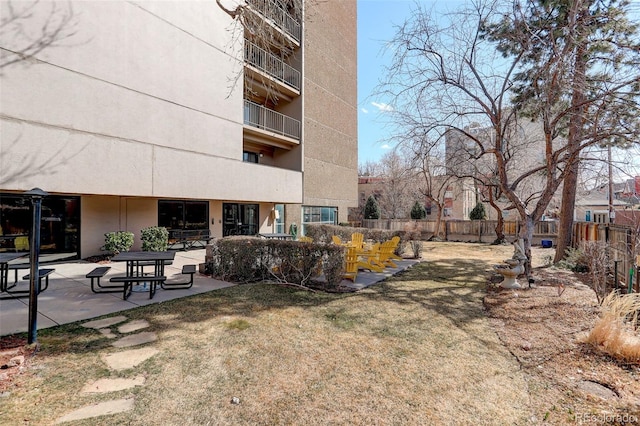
x: 377, y: 20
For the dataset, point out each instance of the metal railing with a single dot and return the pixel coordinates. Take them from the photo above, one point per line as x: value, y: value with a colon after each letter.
x: 256, y: 115
x: 271, y: 64
x: 273, y: 11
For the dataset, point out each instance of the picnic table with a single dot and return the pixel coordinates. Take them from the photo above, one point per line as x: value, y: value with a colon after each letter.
x: 136, y: 261
x: 277, y: 236
x: 5, y: 258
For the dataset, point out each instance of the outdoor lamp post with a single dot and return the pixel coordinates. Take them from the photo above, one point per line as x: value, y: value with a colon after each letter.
x: 36, y: 195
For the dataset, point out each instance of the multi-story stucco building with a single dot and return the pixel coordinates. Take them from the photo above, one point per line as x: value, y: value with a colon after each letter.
x: 135, y: 114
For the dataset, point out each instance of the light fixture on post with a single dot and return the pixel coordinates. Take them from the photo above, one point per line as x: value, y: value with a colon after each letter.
x: 36, y: 195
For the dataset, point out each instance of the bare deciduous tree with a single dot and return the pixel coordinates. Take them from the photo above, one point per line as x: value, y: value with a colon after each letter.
x: 261, y: 27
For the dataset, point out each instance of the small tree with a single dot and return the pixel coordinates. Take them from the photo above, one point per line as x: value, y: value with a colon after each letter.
x: 418, y: 211
x: 371, y: 209
x: 478, y: 212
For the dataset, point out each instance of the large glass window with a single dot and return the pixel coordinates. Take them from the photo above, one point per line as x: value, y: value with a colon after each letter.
x: 59, y: 227
x: 327, y: 215
x: 179, y: 215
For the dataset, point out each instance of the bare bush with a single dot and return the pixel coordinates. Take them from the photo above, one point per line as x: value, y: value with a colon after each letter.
x: 596, y: 255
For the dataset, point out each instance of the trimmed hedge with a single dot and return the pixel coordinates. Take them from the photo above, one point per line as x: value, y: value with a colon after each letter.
x: 323, y: 234
x: 249, y: 259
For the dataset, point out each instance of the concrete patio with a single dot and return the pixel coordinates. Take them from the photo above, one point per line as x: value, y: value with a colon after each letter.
x: 69, y: 297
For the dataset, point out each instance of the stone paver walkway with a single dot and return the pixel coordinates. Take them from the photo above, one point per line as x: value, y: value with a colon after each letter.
x: 117, y: 361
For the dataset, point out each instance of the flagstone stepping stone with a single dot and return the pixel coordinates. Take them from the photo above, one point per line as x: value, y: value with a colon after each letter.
x: 101, y: 409
x: 106, y: 322
x: 133, y: 326
x: 129, y: 358
x: 135, y: 339
x: 596, y: 389
x: 106, y: 332
x: 113, y: 385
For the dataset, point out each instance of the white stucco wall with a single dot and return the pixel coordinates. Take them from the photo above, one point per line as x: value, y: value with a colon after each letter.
x: 139, y: 101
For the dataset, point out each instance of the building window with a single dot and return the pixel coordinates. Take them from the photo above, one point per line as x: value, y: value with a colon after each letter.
x: 250, y: 157
x: 59, y: 228
x: 279, y: 218
x: 327, y: 215
x: 181, y: 215
x: 446, y: 211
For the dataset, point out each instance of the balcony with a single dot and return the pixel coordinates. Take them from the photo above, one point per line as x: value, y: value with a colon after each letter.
x: 263, y: 125
x: 278, y: 16
x: 274, y: 67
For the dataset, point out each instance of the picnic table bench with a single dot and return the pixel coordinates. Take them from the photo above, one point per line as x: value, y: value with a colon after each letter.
x: 128, y: 281
x: 190, y: 237
x: 176, y: 285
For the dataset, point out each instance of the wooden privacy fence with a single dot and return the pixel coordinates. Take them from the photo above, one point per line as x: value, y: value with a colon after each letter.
x: 466, y: 230
x: 622, y: 240
x: 623, y: 243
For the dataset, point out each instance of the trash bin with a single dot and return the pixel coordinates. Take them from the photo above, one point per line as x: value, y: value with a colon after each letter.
x: 547, y: 244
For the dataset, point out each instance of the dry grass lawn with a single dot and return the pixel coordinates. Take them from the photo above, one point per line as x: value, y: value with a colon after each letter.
x: 418, y: 349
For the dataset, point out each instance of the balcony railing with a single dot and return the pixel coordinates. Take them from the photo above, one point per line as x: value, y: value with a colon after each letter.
x: 272, y: 65
x: 256, y: 115
x: 273, y: 10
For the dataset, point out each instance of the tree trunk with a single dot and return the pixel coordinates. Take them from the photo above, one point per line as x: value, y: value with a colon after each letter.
x: 526, y: 233
x: 500, y: 238
x: 576, y: 121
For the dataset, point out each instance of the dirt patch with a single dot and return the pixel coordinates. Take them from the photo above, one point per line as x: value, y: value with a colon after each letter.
x: 543, y: 327
x: 13, y: 348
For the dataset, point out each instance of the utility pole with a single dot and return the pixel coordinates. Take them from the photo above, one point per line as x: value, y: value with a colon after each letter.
x: 612, y: 213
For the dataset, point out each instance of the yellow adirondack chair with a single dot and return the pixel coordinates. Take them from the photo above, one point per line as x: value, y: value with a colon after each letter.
x: 305, y: 239
x: 369, y: 259
x: 386, y: 253
x: 396, y: 241
x: 337, y: 240
x: 350, y: 263
x: 357, y: 239
x: 21, y: 243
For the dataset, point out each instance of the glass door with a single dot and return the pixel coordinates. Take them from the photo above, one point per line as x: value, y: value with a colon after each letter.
x: 239, y: 219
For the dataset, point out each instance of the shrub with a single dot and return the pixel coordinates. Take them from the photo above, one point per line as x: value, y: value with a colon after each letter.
x: 418, y: 211
x: 154, y: 238
x: 248, y: 259
x: 413, y: 234
x: 574, y: 260
x: 616, y: 331
x: 323, y: 233
x: 118, y: 241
